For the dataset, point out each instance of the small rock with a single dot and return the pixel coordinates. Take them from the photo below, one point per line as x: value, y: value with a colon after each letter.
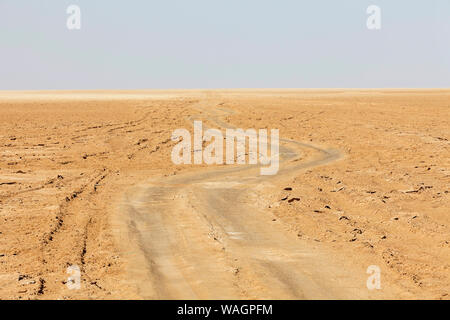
x: 22, y: 276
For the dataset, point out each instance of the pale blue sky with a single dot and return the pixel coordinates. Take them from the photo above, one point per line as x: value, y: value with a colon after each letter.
x: 145, y: 44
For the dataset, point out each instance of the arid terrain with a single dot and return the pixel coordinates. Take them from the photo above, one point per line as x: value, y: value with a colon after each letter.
x: 87, y: 180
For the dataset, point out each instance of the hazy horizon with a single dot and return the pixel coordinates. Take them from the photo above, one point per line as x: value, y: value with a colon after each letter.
x: 230, y: 89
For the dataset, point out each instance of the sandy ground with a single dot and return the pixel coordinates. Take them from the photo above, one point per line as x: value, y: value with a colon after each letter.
x: 86, y: 179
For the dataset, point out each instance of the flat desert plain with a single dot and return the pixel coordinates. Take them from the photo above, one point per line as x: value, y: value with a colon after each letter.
x: 87, y: 183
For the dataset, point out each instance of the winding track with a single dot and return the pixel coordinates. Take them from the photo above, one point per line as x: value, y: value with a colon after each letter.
x: 202, y: 236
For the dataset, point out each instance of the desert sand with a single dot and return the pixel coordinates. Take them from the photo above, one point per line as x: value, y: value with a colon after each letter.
x: 86, y: 179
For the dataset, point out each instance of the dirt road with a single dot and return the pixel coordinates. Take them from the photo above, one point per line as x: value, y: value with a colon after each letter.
x: 203, y: 236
